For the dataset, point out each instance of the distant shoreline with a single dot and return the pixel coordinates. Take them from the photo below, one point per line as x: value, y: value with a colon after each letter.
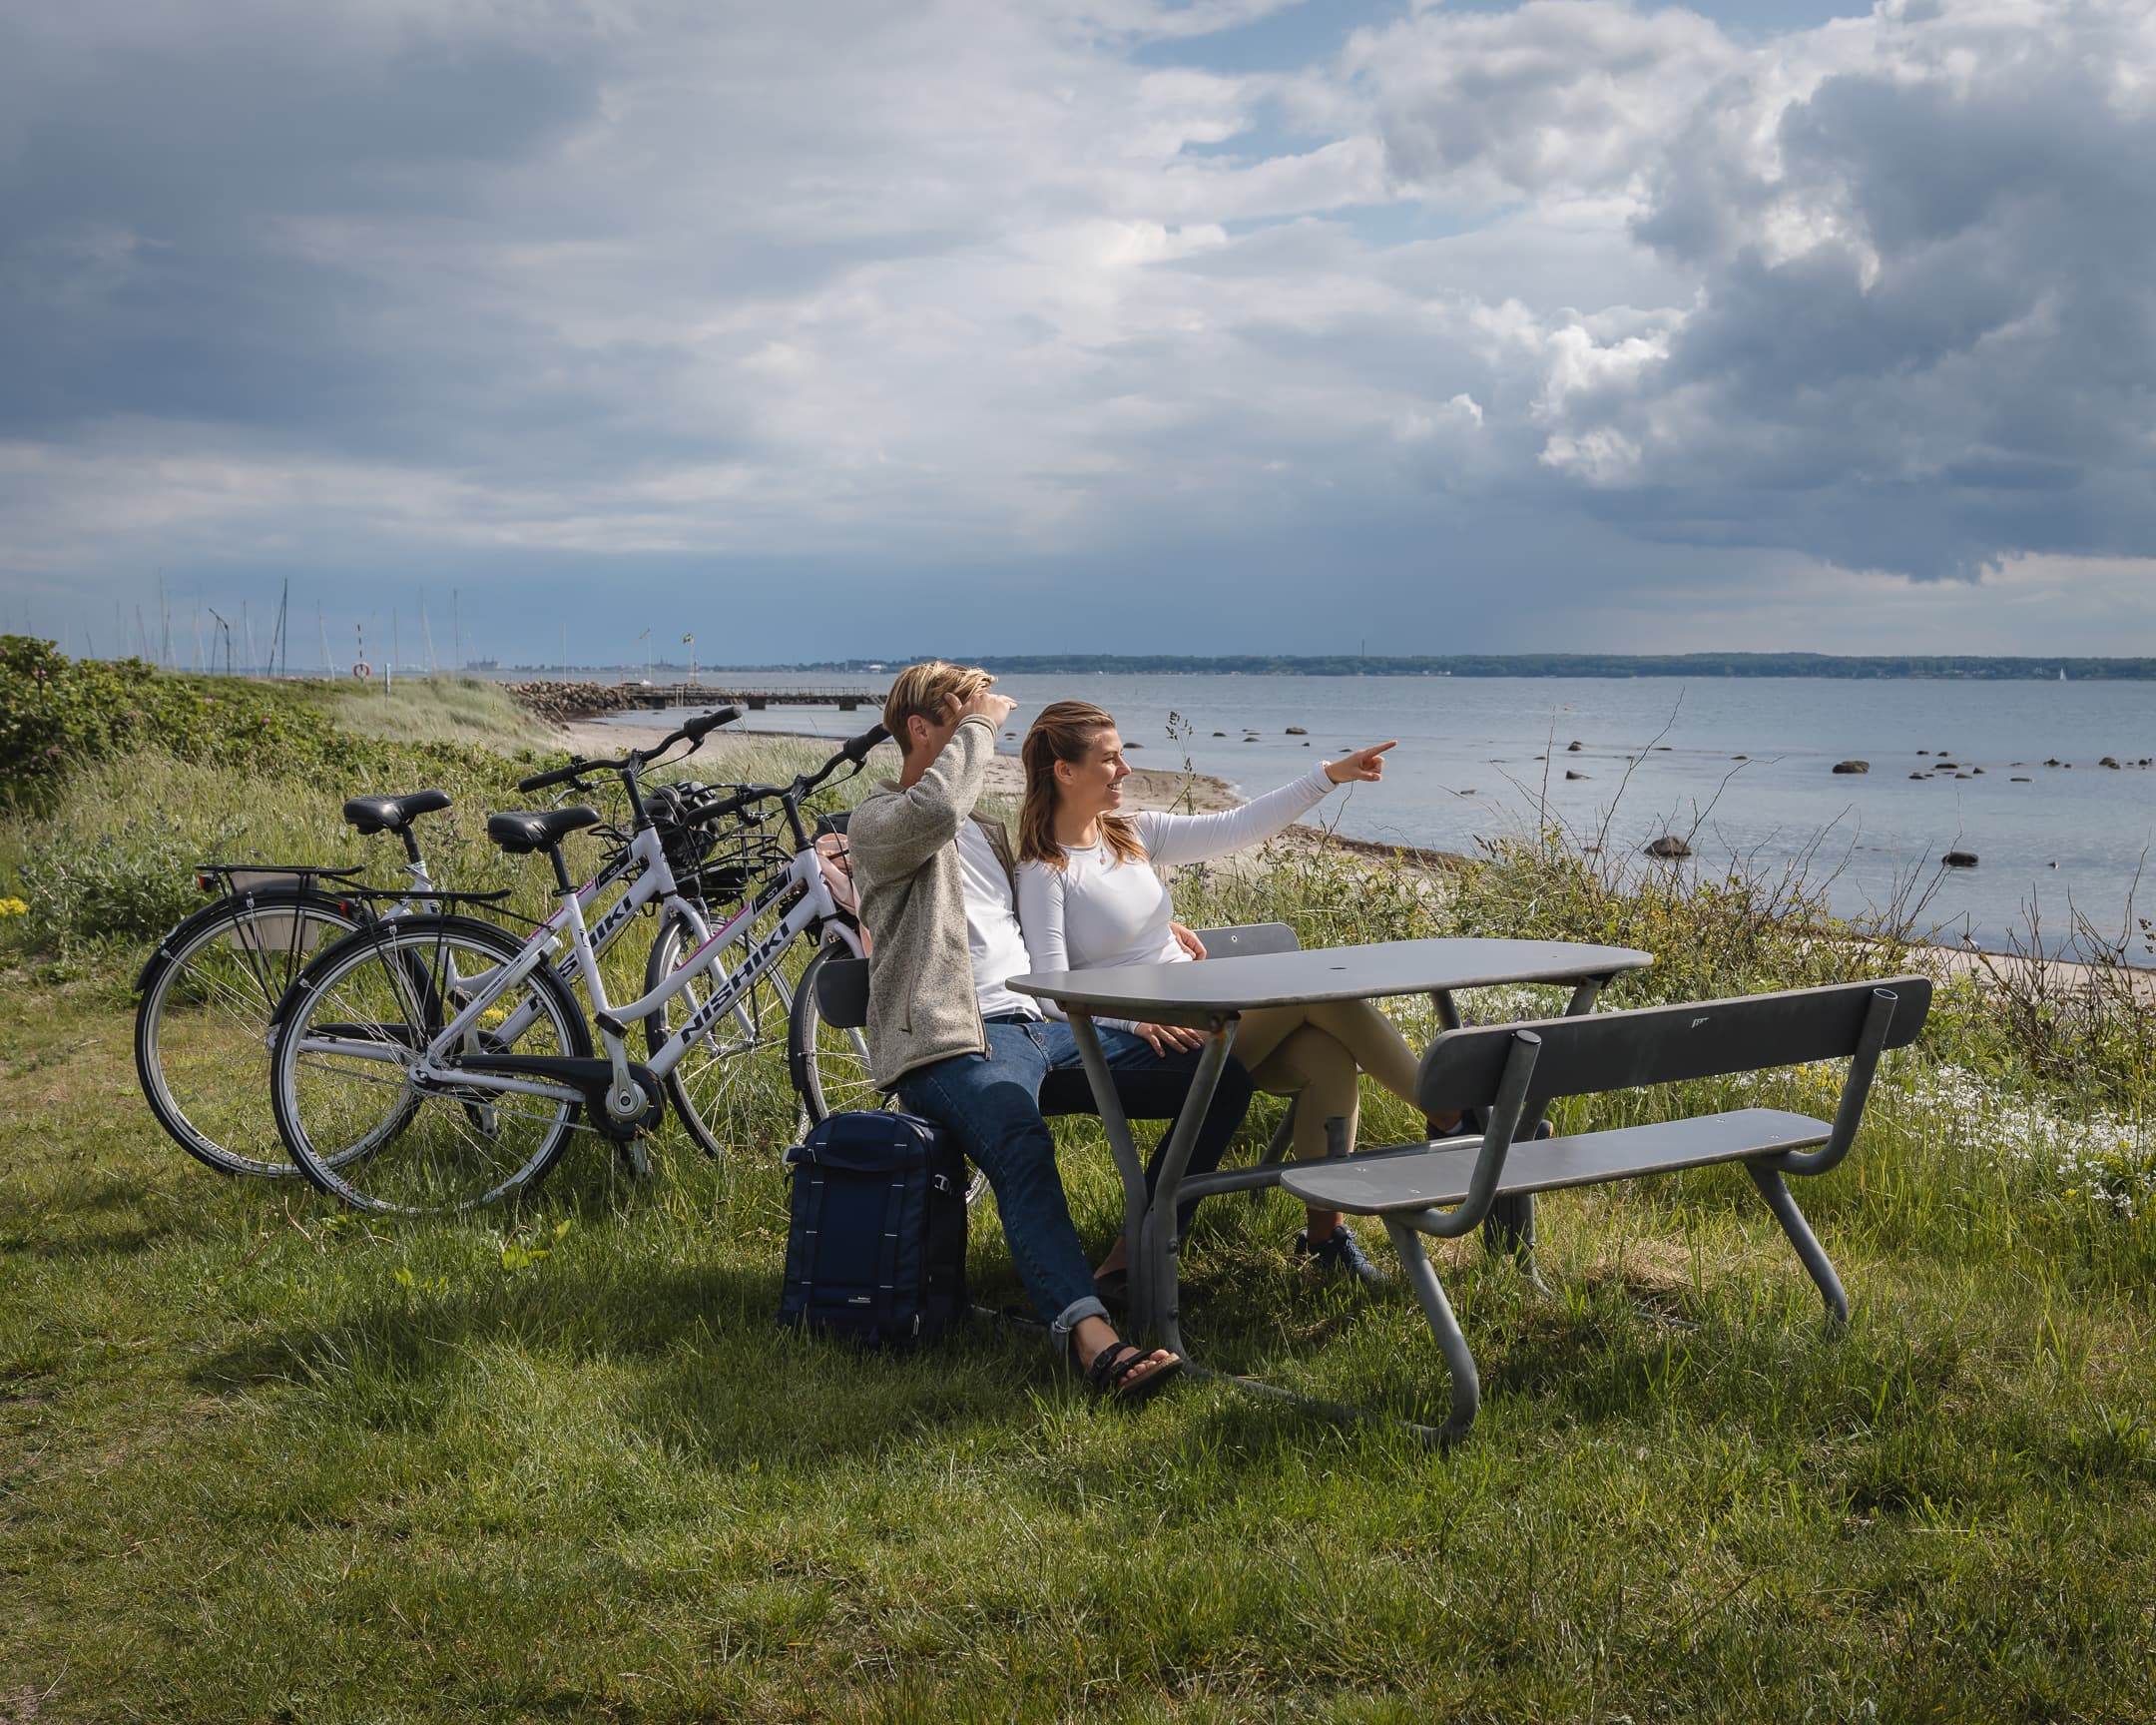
x: 1914, y: 667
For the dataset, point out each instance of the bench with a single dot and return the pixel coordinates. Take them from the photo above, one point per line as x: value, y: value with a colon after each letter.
x: 1509, y: 1073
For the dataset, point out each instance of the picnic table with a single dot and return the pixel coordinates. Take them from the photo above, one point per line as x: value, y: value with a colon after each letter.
x: 1213, y: 993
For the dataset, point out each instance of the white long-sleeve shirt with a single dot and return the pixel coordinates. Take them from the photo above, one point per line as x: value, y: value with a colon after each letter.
x: 1097, y: 912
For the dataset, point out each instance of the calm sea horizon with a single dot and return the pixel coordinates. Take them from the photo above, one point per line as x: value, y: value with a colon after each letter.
x: 1742, y: 767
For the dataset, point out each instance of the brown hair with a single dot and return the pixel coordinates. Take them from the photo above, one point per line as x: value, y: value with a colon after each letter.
x: 926, y: 691
x: 1065, y: 732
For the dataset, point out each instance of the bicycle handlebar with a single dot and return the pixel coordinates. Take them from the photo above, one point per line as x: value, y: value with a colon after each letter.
x: 854, y: 750
x: 694, y: 731
x: 568, y: 775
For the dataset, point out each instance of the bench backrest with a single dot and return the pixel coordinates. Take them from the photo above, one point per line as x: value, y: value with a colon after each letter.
x: 843, y: 984
x: 1665, y: 1044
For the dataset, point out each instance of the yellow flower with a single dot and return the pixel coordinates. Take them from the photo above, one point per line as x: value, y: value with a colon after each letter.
x: 12, y: 908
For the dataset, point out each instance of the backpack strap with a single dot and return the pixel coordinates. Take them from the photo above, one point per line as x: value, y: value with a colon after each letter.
x: 886, y: 1295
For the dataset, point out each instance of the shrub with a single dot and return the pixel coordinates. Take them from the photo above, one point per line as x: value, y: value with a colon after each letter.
x: 59, y: 714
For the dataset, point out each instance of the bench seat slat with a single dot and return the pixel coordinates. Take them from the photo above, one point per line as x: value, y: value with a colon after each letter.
x: 1371, y: 1184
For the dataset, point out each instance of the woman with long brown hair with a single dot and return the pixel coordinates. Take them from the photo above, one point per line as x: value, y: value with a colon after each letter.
x: 1088, y: 898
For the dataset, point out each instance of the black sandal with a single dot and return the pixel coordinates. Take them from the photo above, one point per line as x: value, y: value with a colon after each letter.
x: 1109, y: 1377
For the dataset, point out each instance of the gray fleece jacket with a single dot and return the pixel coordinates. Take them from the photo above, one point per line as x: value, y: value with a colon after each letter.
x: 904, y: 849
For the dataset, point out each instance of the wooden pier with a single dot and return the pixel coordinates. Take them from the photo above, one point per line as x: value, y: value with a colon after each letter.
x: 658, y: 695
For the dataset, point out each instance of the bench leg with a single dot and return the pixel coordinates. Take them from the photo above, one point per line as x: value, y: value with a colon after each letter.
x: 1429, y: 1295
x: 1806, y: 1243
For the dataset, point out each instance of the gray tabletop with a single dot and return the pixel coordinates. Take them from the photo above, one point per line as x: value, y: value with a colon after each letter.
x: 1189, y: 993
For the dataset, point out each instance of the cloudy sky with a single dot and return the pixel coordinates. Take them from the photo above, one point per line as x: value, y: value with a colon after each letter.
x: 846, y: 327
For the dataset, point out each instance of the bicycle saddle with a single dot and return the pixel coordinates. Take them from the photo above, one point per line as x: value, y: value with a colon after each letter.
x: 521, y: 833
x: 373, y: 814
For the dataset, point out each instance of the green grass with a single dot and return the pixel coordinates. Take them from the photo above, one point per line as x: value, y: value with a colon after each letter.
x: 262, y: 1461
x: 438, y: 709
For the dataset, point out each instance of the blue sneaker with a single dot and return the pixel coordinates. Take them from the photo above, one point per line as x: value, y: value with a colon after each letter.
x: 1331, y: 1257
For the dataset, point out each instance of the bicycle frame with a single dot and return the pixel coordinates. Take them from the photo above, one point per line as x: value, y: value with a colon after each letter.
x: 436, y: 1062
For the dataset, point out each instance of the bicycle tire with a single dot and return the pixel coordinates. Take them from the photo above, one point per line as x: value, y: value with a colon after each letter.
x: 830, y: 1065
x: 205, y: 1009
x: 346, y: 1107
x: 730, y: 1087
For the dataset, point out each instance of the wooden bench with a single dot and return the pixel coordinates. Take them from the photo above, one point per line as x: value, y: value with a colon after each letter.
x: 1511, y: 1072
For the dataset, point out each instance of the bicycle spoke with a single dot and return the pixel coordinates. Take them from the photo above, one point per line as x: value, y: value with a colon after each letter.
x: 202, y: 1029
x: 375, y: 1132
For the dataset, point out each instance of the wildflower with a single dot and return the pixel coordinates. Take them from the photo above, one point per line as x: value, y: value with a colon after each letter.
x: 12, y: 908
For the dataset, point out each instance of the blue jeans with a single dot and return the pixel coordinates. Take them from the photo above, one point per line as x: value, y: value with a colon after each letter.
x: 992, y: 1103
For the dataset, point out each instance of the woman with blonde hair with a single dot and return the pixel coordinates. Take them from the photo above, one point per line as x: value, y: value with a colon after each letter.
x: 1088, y: 898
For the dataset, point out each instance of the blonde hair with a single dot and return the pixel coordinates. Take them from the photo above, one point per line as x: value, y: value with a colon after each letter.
x: 1065, y: 732
x: 926, y: 691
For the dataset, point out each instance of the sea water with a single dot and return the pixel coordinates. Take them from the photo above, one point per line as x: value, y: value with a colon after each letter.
x: 1741, y: 766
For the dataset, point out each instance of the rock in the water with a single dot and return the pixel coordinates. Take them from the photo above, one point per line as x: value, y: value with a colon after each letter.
x: 2019, y: 780
x: 1923, y: 751
x: 1960, y: 858
x: 1853, y: 765
x: 1220, y: 733
x: 1469, y: 791
x: 1574, y: 747
x: 1975, y: 769
x: 1945, y: 766
x: 2109, y: 762
x: 1569, y: 774
x: 1920, y: 775
x: 1965, y: 775
x: 2054, y: 762
x: 1669, y: 847
x: 1296, y: 731
x: 1740, y: 757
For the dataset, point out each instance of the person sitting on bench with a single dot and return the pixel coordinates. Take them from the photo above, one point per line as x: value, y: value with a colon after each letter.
x: 957, y: 1045
x: 1089, y: 899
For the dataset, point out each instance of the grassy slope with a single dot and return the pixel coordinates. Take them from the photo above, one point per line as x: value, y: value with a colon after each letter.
x: 260, y: 1462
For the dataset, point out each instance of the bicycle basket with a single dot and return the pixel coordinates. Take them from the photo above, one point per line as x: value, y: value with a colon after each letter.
x: 687, y: 843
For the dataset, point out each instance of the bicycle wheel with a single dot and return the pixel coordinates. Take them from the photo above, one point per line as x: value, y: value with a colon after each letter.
x: 202, y: 1020
x: 357, y: 1122
x: 730, y: 1089
x: 830, y: 1065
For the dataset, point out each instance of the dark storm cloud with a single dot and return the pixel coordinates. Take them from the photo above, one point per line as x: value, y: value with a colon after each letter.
x: 1923, y: 339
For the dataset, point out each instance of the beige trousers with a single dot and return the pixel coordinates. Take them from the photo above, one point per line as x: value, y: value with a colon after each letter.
x: 1317, y: 1051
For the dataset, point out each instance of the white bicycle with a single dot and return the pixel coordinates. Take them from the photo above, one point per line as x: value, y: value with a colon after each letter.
x: 434, y: 1062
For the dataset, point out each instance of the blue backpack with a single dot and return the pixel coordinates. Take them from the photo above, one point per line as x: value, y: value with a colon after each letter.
x: 876, y: 1248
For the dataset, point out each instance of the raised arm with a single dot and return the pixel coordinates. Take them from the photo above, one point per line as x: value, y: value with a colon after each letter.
x: 891, y: 837
x: 1200, y: 838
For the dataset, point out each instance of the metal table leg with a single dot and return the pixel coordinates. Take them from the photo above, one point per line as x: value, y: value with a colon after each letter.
x: 1157, y: 1234
x: 1129, y: 1164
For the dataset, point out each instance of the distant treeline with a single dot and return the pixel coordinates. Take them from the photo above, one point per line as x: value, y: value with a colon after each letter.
x: 1966, y: 665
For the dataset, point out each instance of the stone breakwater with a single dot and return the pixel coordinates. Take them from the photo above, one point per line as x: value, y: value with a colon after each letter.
x: 567, y: 702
